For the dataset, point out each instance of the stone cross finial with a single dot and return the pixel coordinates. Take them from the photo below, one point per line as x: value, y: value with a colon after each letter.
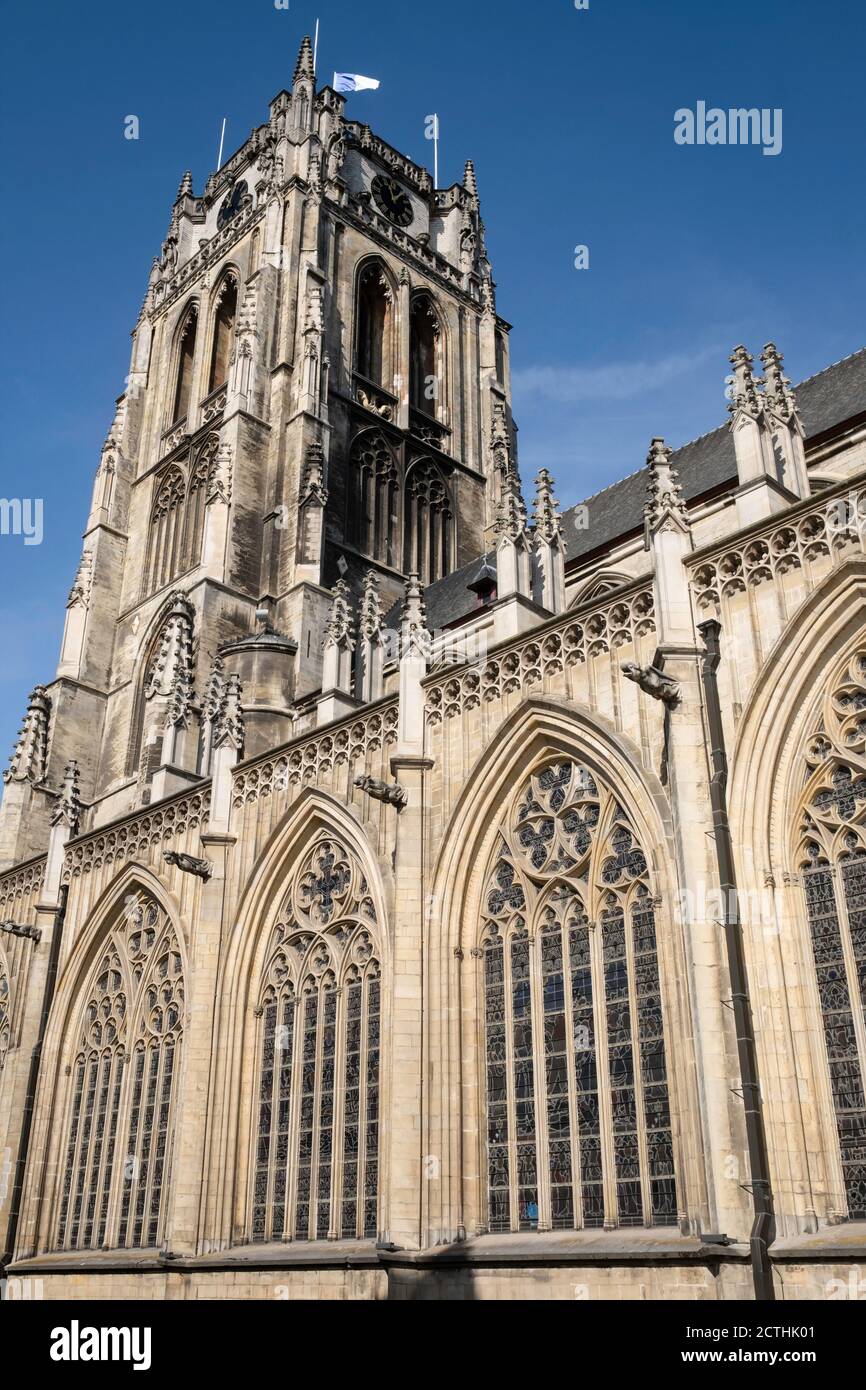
x: 546, y: 516
x: 665, y: 498
x: 229, y: 728
x: 31, y: 751
x: 745, y: 394
x: 780, y: 398
x: 338, y: 629
x: 304, y: 66
x: 68, y: 808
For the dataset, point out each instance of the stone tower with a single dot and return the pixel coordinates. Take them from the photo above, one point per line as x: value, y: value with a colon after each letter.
x: 318, y: 390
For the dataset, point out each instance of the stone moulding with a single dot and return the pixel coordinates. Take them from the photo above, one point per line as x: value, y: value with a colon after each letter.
x: 827, y: 525
x: 299, y: 763
x: 128, y: 838
x: 21, y: 881
x: 567, y: 640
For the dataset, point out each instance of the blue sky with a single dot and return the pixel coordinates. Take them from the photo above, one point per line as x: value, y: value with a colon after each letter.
x: 569, y: 116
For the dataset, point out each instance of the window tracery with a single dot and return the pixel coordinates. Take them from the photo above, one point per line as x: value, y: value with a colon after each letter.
x: 185, y: 364
x: 315, y: 1168
x: 225, y: 315
x: 832, y: 861
x: 374, y: 327
x: 577, y: 1107
x: 373, y: 493
x: 166, y: 528
x: 117, y: 1152
x: 428, y: 523
x: 5, y: 1014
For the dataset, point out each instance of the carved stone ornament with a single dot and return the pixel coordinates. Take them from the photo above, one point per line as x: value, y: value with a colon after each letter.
x: 188, y: 864
x: 652, y: 682
x: 390, y: 792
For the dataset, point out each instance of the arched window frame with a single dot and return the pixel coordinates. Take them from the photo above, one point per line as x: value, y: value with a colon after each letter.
x: 184, y: 362
x: 425, y: 309
x: 372, y: 270
x: 428, y: 522
x: 373, y: 510
x: 5, y: 1011
x: 123, y: 1038
x: 166, y: 531
x: 829, y: 850
x: 226, y: 295
x: 314, y: 1170
x: 570, y: 990
x: 200, y: 480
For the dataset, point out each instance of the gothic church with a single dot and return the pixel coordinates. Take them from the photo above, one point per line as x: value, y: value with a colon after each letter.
x: 407, y: 891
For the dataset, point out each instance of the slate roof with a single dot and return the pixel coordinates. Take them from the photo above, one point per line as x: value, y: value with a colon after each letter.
x: 825, y: 400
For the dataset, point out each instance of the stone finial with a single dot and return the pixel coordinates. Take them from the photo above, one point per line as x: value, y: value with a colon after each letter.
x: 216, y: 690
x: 304, y: 65
x: 511, y: 517
x: 313, y: 489
x: 548, y: 526
x: 665, y: 495
x: 338, y: 629
x: 229, y: 728
x: 175, y: 649
x: 414, y: 634
x: 779, y: 396
x: 745, y: 395
x: 181, y: 698
x: 370, y: 615
x: 83, y: 581
x: 31, y: 751
x: 185, y: 189
x: 470, y: 183
x: 68, y: 808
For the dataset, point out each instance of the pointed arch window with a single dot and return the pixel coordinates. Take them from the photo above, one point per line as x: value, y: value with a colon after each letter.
x: 166, y: 528
x: 832, y: 860
x: 200, y: 483
x: 577, y: 1108
x: 223, y: 331
x: 373, y: 498
x: 374, y: 317
x: 185, y: 364
x: 426, y: 387
x: 316, y: 1147
x: 427, y: 523
x: 118, y: 1143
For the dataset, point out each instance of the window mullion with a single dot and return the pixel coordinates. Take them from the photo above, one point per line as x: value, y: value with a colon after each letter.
x: 602, y: 1073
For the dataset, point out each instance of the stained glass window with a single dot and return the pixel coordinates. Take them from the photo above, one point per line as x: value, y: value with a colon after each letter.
x: 120, y: 1126
x: 316, y: 1156
x: 576, y: 1096
x: 833, y: 870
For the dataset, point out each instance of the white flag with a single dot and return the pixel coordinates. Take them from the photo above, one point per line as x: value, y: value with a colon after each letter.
x: 354, y: 82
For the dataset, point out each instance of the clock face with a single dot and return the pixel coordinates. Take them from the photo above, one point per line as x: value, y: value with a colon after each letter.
x: 233, y: 203
x: 390, y: 198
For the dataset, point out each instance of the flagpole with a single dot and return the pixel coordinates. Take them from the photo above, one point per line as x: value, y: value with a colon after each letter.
x: 436, y: 156
x: 222, y: 138
x: 315, y: 45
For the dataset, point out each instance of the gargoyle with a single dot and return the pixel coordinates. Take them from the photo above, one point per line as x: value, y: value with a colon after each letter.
x: 653, y: 682
x: 188, y: 864
x: 391, y: 792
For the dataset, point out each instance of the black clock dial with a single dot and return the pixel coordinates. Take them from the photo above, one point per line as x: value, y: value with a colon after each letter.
x: 390, y: 198
x: 233, y: 204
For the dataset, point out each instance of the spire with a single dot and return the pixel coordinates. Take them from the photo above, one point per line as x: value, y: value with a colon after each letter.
x: 414, y: 635
x: 665, y: 496
x: 548, y: 526
x: 215, y: 692
x: 31, y: 751
x: 185, y: 189
x: 229, y: 730
x: 338, y: 629
x: 181, y: 698
x: 470, y: 183
x: 511, y: 518
x: 745, y: 394
x: 370, y: 617
x: 780, y: 397
x: 304, y: 65
x: 314, y: 474
x: 68, y: 808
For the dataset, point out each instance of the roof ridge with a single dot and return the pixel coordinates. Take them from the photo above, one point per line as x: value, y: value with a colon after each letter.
x: 829, y: 368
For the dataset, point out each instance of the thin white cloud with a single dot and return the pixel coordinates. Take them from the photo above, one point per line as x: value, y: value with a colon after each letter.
x: 615, y: 381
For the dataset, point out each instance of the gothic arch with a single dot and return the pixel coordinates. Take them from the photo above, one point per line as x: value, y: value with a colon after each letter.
x: 128, y: 930
x: 5, y: 1010
x: 274, y: 949
x: 428, y: 355
x: 538, y: 734
x: 165, y: 535
x: 181, y: 374
x: 222, y: 318
x: 373, y: 508
x: 428, y: 522
x: 374, y: 322
x: 771, y: 777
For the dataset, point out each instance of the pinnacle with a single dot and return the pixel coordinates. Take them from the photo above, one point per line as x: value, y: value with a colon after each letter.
x: 304, y: 65
x: 470, y: 182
